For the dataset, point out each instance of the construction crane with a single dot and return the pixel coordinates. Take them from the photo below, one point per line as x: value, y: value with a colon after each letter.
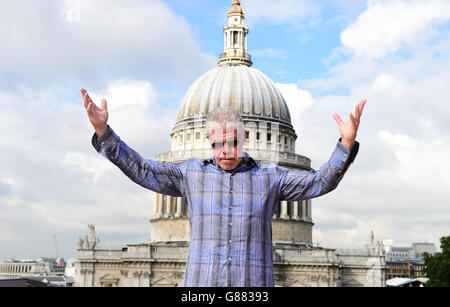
x: 409, y: 267
x: 59, y: 261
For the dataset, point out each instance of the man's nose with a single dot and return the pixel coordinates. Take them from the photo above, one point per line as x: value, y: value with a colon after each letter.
x: 226, y: 149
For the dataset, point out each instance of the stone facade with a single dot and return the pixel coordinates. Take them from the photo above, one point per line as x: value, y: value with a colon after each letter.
x: 163, y: 265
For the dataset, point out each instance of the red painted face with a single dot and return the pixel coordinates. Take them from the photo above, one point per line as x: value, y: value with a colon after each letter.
x: 227, y: 147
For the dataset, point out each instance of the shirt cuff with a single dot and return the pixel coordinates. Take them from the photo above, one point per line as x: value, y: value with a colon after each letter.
x: 350, y: 158
x: 343, y: 157
x: 108, y: 138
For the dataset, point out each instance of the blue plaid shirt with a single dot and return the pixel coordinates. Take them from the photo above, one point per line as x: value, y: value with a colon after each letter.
x: 230, y: 212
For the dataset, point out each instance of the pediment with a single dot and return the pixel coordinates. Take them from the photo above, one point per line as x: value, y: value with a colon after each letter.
x: 164, y: 282
x: 353, y: 283
x: 109, y: 278
x: 297, y: 283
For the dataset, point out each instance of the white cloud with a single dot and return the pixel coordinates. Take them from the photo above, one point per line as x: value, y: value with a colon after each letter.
x: 72, y: 10
x: 139, y: 39
x: 387, y: 83
x: 298, y: 100
x: 387, y: 25
x: 411, y: 151
x: 123, y: 92
x: 133, y: 107
x: 94, y: 167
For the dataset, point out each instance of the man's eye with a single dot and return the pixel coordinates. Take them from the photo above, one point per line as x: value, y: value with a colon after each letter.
x: 216, y: 145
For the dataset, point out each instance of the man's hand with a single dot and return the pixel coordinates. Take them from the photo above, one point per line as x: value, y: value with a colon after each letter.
x: 97, y: 116
x: 349, y: 128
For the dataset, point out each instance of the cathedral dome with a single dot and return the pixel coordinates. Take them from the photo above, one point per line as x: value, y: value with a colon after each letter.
x: 270, y: 136
x: 244, y: 88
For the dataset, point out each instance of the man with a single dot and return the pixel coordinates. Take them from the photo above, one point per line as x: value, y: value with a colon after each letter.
x: 230, y: 198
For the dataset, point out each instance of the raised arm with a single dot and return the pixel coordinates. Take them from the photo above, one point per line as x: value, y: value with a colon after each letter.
x: 161, y: 177
x: 298, y: 185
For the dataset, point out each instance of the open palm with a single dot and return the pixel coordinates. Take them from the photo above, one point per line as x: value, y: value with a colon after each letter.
x: 349, y: 129
x: 97, y: 116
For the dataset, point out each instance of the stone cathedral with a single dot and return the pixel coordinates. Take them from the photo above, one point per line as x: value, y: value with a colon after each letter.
x: 270, y: 139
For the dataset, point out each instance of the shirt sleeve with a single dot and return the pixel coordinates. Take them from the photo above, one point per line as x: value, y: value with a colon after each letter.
x: 301, y: 184
x: 160, y: 177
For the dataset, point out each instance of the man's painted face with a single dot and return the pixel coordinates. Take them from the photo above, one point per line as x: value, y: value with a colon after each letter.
x: 227, y: 145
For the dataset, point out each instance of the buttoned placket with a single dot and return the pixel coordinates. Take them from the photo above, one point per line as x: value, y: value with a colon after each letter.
x: 229, y: 228
x: 228, y: 182
x: 229, y: 240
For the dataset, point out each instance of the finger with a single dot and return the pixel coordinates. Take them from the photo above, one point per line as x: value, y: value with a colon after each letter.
x: 104, y: 105
x: 359, y: 109
x: 338, y: 119
x: 83, y: 94
x: 362, y: 106
x: 89, y: 108
x: 353, y: 119
x: 89, y: 100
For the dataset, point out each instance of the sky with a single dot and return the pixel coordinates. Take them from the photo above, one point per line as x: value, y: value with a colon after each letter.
x: 143, y: 55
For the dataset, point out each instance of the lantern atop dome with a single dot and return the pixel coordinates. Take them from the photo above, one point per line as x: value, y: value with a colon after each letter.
x: 236, y: 9
x: 235, y: 38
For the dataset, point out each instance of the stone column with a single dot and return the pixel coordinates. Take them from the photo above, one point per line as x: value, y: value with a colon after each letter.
x: 295, y: 216
x: 168, y: 212
x: 283, y: 213
x: 304, y: 210
x: 163, y: 208
x: 137, y: 278
x: 251, y: 128
x: 179, y: 212
x: 157, y: 211
x: 308, y: 202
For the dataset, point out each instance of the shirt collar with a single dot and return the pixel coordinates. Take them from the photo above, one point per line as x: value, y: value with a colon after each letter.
x: 247, y: 163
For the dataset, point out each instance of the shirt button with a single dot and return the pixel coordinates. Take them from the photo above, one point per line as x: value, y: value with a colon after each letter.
x: 230, y: 224
x: 229, y: 241
x: 229, y: 259
x: 103, y: 143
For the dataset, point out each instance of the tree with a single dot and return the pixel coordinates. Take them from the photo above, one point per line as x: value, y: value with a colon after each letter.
x: 437, y: 267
